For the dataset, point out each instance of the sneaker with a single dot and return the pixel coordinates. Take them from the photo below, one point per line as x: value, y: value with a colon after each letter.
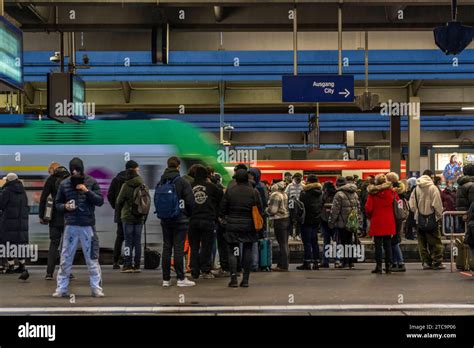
x: 126, y: 269
x: 351, y: 266
x: 340, y: 265
x: 305, y: 266
x: 98, y: 293
x: 136, y: 270
x: 298, y: 238
x: 426, y: 266
x: 220, y: 273
x: 166, y: 283
x: 49, y: 277
x: 439, y: 266
x: 399, y: 268
x: 116, y: 266
x: 185, y: 282
x: 207, y: 276
x: 315, y: 266
x: 59, y: 294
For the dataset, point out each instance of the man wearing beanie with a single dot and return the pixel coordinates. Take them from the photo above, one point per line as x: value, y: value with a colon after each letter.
x: 77, y: 197
x: 112, y: 196
x: 207, y: 198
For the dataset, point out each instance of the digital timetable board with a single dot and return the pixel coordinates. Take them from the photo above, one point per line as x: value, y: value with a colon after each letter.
x: 11, y: 55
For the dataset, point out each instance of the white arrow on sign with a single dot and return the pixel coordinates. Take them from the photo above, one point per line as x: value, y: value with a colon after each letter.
x: 346, y: 93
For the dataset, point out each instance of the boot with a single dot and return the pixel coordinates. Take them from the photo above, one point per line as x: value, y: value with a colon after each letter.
x: 245, y: 280
x: 20, y: 268
x: 378, y: 268
x: 233, y: 281
x: 305, y: 266
x: 388, y: 267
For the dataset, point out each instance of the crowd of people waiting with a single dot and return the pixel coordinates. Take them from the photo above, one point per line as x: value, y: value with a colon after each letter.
x: 200, y: 209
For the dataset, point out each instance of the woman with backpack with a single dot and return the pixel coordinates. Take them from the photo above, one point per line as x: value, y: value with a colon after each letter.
x: 379, y: 210
x: 132, y: 220
x: 346, y: 217
x: 329, y: 191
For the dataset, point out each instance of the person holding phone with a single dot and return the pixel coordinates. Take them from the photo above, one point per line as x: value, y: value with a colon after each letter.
x: 77, y: 197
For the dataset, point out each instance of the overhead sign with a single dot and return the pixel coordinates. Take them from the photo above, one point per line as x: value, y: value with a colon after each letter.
x: 11, y: 54
x: 317, y: 88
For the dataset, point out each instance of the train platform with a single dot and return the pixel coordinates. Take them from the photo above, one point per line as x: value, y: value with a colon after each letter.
x: 323, y: 292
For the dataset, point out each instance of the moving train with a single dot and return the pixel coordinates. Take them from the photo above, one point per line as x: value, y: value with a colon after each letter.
x: 104, y: 146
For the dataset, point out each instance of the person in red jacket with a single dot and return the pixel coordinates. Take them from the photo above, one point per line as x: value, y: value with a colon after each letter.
x: 379, y: 210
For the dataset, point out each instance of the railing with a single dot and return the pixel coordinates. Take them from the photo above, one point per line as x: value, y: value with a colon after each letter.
x: 451, y: 235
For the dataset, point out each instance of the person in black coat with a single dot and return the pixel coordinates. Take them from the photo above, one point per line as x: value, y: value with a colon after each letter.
x: 56, y: 223
x: 236, y: 212
x: 207, y: 198
x: 465, y: 192
x: 14, y: 218
x: 112, y: 195
x: 311, y: 197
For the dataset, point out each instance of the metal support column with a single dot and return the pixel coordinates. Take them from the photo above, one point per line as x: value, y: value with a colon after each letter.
x: 2, y: 8
x: 395, y: 144
x: 339, y: 37
x: 295, y: 42
x: 414, y: 138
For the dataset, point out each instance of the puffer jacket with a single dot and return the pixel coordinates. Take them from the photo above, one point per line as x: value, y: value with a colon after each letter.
x: 294, y: 190
x: 114, y: 191
x: 345, y: 200
x: 84, y: 214
x: 278, y: 203
x: 236, y: 211
x: 428, y: 197
x: 15, y: 210
x: 311, y: 197
x: 125, y: 199
x: 465, y: 194
x: 379, y: 210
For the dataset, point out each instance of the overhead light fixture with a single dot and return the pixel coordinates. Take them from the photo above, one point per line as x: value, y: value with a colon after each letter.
x: 465, y: 108
x: 445, y: 146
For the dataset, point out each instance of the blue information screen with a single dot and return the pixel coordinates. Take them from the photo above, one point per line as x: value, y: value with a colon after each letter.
x: 317, y: 88
x: 11, y: 54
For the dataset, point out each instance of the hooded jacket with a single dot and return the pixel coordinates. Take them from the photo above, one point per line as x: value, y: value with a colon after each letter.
x: 294, y: 189
x: 84, y: 214
x: 379, y: 210
x: 311, y: 197
x: 51, y: 187
x: 124, y: 202
x: 465, y: 194
x: 278, y: 202
x: 428, y: 197
x: 114, y: 191
x: 15, y: 210
x: 184, y: 192
x: 260, y: 187
x: 329, y: 191
x: 344, y: 201
x: 207, y: 198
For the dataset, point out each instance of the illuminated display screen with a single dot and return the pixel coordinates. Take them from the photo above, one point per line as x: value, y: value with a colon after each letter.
x: 78, y: 96
x: 11, y: 54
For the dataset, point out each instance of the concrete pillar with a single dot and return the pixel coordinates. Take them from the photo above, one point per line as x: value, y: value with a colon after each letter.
x: 395, y: 144
x: 414, y: 137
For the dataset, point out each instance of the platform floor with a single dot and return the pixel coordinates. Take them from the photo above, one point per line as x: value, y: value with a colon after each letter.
x: 322, y: 292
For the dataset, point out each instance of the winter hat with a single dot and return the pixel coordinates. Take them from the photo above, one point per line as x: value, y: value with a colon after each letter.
x: 468, y: 169
x: 411, y: 182
x: 380, y: 179
x: 392, y: 177
x: 341, y: 181
x: 11, y: 177
x: 200, y: 172
x: 240, y: 166
x: 297, y: 176
x: 131, y: 165
x: 76, y: 164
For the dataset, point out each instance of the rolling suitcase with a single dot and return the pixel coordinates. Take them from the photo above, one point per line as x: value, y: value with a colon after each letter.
x: 152, y: 257
x: 464, y: 260
x: 265, y: 254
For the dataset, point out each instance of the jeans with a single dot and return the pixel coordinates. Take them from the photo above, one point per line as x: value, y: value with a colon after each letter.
x: 254, y: 265
x: 387, y: 246
x: 201, y: 238
x: 174, y: 235
x: 397, y: 256
x: 133, y: 244
x: 430, y: 246
x: 119, y: 239
x: 55, y: 234
x: 222, y: 248
x: 73, y: 235
x: 309, y: 234
x: 234, y: 253
x: 281, y: 233
x: 329, y: 234
x: 346, y: 238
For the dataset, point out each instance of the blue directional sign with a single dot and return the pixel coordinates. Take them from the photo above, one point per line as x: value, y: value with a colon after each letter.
x: 317, y: 88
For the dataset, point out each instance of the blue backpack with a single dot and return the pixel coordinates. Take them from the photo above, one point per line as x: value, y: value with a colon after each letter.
x: 167, y: 200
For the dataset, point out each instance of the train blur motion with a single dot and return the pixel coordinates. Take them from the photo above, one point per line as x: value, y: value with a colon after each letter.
x: 104, y: 146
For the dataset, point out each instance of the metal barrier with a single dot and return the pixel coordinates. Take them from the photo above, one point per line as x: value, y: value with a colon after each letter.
x: 452, y: 234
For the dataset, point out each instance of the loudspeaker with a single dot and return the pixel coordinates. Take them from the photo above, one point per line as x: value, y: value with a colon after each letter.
x: 453, y: 37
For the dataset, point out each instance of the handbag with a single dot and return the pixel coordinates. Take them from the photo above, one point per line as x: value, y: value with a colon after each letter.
x: 401, y: 214
x: 425, y: 222
x: 152, y: 257
x: 257, y: 218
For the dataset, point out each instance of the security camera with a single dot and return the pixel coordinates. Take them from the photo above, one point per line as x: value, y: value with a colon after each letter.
x: 56, y: 58
x: 228, y: 127
x: 85, y: 59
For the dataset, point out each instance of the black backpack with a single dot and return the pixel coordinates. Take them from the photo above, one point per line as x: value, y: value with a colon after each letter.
x: 297, y: 211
